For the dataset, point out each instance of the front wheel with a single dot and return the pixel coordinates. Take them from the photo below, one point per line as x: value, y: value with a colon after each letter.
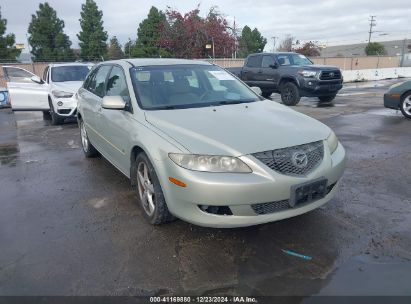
x: 149, y: 191
x: 55, y: 118
x: 406, y: 105
x: 46, y: 115
x: 326, y: 98
x: 290, y: 95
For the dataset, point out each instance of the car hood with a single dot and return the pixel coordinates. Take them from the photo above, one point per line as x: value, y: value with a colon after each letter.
x: 321, y: 67
x: 67, y: 86
x: 238, y: 129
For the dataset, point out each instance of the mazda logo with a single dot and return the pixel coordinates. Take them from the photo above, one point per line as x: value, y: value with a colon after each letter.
x: 299, y: 159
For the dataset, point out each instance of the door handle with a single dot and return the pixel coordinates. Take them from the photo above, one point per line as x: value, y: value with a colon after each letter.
x: 260, y: 71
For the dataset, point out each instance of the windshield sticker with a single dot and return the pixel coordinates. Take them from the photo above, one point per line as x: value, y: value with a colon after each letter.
x: 222, y: 75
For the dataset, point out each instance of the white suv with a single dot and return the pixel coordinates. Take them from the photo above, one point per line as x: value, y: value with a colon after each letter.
x: 54, y: 94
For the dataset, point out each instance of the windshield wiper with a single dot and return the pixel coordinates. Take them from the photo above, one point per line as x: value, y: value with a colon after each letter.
x: 227, y: 102
x: 164, y: 108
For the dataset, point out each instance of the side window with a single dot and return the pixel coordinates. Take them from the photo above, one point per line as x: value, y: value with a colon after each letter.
x: 89, y: 78
x: 15, y: 73
x: 117, y: 85
x: 45, y: 78
x: 283, y: 60
x: 98, y: 83
x: 267, y: 61
x: 254, y: 61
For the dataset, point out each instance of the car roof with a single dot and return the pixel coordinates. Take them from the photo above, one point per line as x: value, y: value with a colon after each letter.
x: 70, y: 64
x: 157, y: 61
x: 276, y: 53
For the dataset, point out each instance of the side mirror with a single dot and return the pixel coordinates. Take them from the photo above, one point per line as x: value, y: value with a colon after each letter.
x: 36, y: 79
x: 113, y: 103
x: 257, y: 90
x: 274, y: 66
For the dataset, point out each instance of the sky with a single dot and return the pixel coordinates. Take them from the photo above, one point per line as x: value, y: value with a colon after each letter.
x: 331, y: 22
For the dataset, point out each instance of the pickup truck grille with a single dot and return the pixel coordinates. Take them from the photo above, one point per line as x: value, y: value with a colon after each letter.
x: 295, y: 161
x: 330, y: 75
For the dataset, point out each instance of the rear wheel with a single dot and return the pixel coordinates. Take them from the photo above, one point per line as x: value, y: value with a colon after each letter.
x: 326, y: 98
x: 149, y: 191
x: 290, y: 95
x: 406, y: 105
x: 88, y: 148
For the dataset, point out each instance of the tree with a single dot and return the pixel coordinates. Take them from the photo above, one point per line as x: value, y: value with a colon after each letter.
x: 375, y: 48
x: 114, y: 50
x: 7, y: 49
x: 47, y: 39
x: 286, y: 44
x: 92, y: 37
x: 186, y: 36
x: 148, y: 34
x: 309, y: 49
x: 251, y: 41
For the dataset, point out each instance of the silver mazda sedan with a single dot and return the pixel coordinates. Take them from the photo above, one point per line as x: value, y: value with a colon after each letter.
x: 200, y: 145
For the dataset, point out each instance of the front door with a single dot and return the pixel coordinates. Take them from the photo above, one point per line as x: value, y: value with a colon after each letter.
x: 24, y: 93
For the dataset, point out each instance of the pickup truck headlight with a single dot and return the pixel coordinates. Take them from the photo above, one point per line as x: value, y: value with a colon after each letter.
x: 332, y: 142
x: 210, y: 163
x: 61, y: 94
x: 307, y: 73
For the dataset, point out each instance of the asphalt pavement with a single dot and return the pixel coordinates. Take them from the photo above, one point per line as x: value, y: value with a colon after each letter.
x: 72, y: 226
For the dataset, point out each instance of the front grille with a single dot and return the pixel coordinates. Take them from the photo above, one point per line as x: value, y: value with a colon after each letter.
x: 330, y: 75
x: 296, y: 160
x: 272, y: 207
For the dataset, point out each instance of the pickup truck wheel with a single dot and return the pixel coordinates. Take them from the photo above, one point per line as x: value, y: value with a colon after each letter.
x: 290, y: 95
x: 55, y: 118
x: 88, y: 148
x: 326, y: 98
x: 405, y: 105
x: 149, y: 192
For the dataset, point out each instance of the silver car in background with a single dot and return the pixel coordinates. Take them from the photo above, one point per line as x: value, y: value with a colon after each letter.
x: 200, y: 145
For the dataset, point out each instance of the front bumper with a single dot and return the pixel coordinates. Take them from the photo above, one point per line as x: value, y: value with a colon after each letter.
x: 312, y: 87
x: 65, y: 107
x: 240, y: 191
x: 392, y: 101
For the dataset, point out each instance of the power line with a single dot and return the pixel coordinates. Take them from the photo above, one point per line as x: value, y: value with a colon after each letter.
x: 372, y: 24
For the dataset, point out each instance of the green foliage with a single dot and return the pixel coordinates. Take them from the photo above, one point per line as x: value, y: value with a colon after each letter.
x: 148, y: 35
x: 8, y: 51
x: 47, y: 39
x: 114, y: 50
x: 375, y: 48
x: 92, y: 37
x: 251, y: 41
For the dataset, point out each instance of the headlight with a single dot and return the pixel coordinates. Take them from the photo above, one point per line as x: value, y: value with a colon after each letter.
x: 332, y: 142
x: 307, y: 73
x: 61, y: 94
x: 210, y: 163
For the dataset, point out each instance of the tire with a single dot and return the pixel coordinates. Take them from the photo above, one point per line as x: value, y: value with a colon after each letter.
x: 290, y: 94
x: 88, y: 148
x: 326, y: 98
x: 46, y: 115
x: 55, y: 118
x: 405, y: 105
x: 149, y: 193
x: 266, y: 94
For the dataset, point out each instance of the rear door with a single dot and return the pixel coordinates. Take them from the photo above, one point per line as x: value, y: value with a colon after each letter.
x: 24, y: 93
x: 251, y: 70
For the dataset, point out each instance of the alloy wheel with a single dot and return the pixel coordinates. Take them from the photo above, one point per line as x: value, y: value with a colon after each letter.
x: 145, y: 188
x: 84, y: 139
x: 406, y: 105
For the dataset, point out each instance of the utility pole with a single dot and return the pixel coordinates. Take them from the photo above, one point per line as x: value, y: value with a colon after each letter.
x: 274, y: 38
x: 403, y: 52
x: 372, y: 24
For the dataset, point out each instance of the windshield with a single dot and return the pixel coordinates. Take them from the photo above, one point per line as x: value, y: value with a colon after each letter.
x: 69, y: 73
x: 187, y: 86
x: 293, y: 59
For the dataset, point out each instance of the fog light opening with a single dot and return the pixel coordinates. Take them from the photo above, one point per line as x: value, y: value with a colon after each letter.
x: 218, y: 210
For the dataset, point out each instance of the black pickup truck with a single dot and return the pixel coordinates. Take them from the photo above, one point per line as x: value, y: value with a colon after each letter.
x: 290, y: 74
